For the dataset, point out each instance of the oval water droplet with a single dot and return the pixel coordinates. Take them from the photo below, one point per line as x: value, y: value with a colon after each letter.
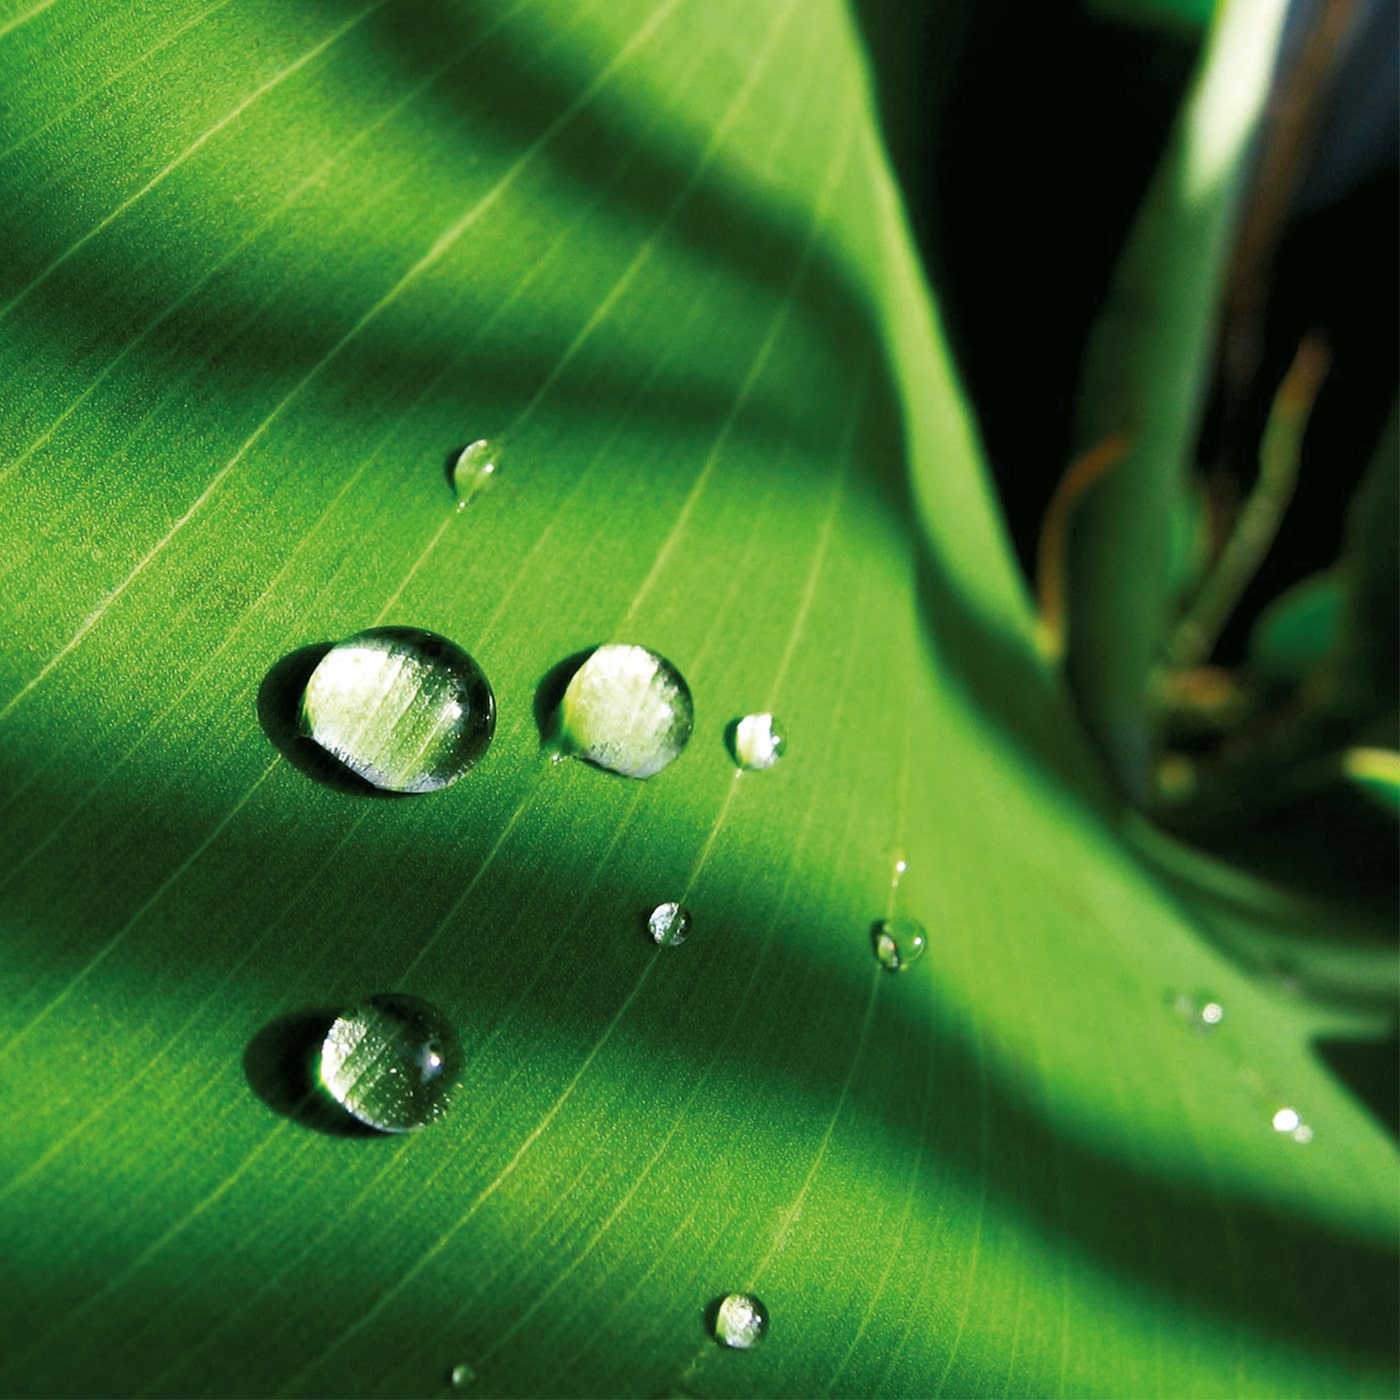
x: 405, y: 709
x: 1290, y: 1122
x: 741, y: 1321
x: 899, y: 942
x: 392, y: 1062
x: 626, y: 709
x: 462, y: 1375
x: 759, y: 741
x: 669, y: 924
x: 473, y: 471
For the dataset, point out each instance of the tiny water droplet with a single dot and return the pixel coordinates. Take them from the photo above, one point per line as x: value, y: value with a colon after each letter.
x: 1286, y: 1120
x: 1201, y: 1012
x: 392, y: 1062
x: 669, y: 924
x: 473, y: 471
x: 899, y: 942
x: 405, y: 709
x: 628, y: 710
x: 900, y: 866
x: 741, y: 1321
x: 758, y: 741
x: 462, y: 1375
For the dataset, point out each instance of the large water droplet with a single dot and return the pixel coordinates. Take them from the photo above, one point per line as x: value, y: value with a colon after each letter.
x: 741, y: 1321
x: 473, y: 471
x: 393, y: 1062
x: 899, y: 942
x: 628, y: 710
x: 669, y: 924
x: 758, y: 741
x: 405, y: 709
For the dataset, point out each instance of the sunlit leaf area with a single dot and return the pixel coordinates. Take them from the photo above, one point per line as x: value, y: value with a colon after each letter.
x: 556, y: 837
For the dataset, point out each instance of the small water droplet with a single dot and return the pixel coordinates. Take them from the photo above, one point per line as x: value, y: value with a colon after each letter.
x: 757, y: 741
x: 1286, y: 1120
x: 1201, y: 1012
x: 741, y: 1321
x: 473, y: 471
x: 900, y: 866
x: 628, y: 710
x: 462, y: 1375
x: 392, y: 1062
x: 405, y: 709
x: 899, y: 942
x: 669, y: 924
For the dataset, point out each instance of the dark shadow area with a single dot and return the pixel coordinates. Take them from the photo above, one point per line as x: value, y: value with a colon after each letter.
x: 549, y: 695
x: 1370, y: 1069
x: 282, y: 1066
x: 279, y: 715
x: 1025, y: 145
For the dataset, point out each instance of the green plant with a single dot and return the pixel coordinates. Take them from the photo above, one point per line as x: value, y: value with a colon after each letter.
x: 269, y: 266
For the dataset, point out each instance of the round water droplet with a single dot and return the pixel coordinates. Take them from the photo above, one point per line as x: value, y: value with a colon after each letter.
x: 405, y: 709
x: 1286, y: 1120
x: 473, y: 471
x: 462, y: 1375
x: 741, y: 1322
x: 628, y: 710
x: 759, y: 741
x: 669, y: 924
x: 392, y: 1062
x: 899, y: 942
x: 1201, y: 1012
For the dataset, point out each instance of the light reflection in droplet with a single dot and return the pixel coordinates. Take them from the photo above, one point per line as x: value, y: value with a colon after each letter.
x: 1286, y: 1120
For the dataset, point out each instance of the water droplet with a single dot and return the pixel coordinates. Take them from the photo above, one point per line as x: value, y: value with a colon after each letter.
x: 473, y: 471
x: 741, y: 1321
x: 1201, y: 1012
x: 1286, y: 1120
x: 899, y: 942
x: 392, y: 1062
x: 758, y: 742
x: 628, y: 710
x: 462, y: 1375
x: 669, y: 924
x: 405, y: 709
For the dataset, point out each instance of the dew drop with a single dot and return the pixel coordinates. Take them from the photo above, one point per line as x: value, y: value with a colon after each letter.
x: 1201, y: 1012
x: 405, y: 709
x: 392, y: 1062
x: 759, y: 741
x: 626, y: 709
x: 1286, y: 1120
x: 669, y: 924
x: 462, y: 1375
x: 899, y: 942
x: 741, y: 1321
x: 473, y: 471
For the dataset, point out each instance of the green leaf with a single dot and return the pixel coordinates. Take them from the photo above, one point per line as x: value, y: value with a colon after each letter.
x: 1145, y: 376
x: 270, y: 268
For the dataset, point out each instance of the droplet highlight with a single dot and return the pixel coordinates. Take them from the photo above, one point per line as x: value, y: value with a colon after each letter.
x: 393, y: 1062
x: 406, y: 710
x: 741, y: 1321
x: 669, y: 924
x: 474, y: 471
x: 1289, y: 1122
x: 461, y: 1376
x: 899, y: 942
x: 1201, y: 1012
x: 759, y: 741
x: 626, y: 709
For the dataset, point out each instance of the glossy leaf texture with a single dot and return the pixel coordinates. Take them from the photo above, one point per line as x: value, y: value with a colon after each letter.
x: 270, y: 268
